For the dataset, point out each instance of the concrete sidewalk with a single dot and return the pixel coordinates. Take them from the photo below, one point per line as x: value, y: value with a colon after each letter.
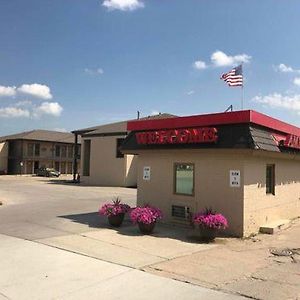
x: 30, y: 270
x: 127, y: 246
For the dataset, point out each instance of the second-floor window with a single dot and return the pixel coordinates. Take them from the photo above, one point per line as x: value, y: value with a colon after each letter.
x: 63, y: 151
x: 30, y: 149
x: 57, y: 151
x: 70, y: 151
x: 37, y: 149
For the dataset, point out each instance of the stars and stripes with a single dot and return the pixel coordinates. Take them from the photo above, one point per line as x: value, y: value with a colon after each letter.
x: 234, y: 77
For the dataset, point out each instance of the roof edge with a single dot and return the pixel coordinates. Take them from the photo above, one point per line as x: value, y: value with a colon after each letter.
x: 215, y: 119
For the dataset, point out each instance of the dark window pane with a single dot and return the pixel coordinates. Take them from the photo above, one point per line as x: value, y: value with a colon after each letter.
x: 37, y: 149
x: 119, y: 154
x: 86, y: 157
x: 270, y: 179
x: 70, y: 151
x: 30, y: 149
x: 63, y: 151
x: 57, y: 151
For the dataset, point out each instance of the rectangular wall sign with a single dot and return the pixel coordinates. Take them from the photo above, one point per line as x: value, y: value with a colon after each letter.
x: 147, y: 173
x: 178, y: 136
x: 235, y: 178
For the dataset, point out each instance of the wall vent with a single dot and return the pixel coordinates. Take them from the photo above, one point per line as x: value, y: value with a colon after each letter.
x: 181, y: 212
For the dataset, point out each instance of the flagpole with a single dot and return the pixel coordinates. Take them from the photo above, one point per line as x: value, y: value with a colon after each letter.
x: 242, y: 97
x: 242, y: 87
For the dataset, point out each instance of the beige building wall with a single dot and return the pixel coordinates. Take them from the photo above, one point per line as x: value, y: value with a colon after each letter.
x: 262, y: 208
x: 131, y: 170
x: 212, y: 185
x: 47, y: 157
x: 3, y: 157
x: 105, y: 168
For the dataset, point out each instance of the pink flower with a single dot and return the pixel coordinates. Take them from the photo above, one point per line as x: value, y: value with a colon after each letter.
x: 210, y: 220
x: 146, y: 214
x: 115, y: 208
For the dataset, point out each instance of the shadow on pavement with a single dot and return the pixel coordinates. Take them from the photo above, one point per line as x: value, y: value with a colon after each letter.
x: 62, y: 181
x: 94, y: 220
x: 90, y: 219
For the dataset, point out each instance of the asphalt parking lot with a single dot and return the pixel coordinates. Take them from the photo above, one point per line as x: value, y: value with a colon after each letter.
x: 51, y: 234
x: 54, y: 245
x: 37, y: 207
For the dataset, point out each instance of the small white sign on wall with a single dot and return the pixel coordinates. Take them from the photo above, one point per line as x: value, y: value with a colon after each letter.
x: 235, y: 178
x: 147, y: 173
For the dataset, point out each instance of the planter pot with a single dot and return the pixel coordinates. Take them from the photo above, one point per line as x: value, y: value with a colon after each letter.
x: 146, y: 228
x: 116, y: 221
x: 208, y: 234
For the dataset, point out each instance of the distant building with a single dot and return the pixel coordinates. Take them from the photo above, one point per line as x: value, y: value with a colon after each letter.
x: 102, y: 162
x: 25, y: 152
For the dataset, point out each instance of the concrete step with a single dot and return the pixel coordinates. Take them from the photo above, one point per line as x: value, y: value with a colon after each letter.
x: 272, y: 227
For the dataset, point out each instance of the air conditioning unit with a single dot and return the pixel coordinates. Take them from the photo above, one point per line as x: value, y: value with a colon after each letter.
x: 181, y: 212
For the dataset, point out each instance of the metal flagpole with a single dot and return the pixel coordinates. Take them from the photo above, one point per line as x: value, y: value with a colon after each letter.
x: 242, y: 88
x: 242, y: 97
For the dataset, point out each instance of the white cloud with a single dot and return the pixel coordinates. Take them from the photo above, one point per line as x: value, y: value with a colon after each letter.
x: 277, y: 100
x: 7, y: 91
x: 98, y: 71
x: 221, y: 59
x: 36, y: 90
x: 48, y: 108
x: 286, y: 69
x: 200, y: 65
x: 189, y: 93
x: 14, y: 112
x: 124, y: 5
x: 297, y: 81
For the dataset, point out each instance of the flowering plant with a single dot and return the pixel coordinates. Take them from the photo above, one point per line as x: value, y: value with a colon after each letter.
x: 146, y: 214
x: 115, y: 208
x: 210, y: 219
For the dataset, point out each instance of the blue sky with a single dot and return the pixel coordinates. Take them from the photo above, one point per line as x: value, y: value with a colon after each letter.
x: 69, y: 64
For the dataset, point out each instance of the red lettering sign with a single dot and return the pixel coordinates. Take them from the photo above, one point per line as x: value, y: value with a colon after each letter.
x: 178, y: 136
x: 292, y: 141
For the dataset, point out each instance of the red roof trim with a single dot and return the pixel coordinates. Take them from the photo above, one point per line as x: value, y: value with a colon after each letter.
x: 236, y: 117
x: 272, y: 123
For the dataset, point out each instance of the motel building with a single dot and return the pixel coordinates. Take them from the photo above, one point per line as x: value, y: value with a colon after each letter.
x: 243, y: 164
x: 102, y: 162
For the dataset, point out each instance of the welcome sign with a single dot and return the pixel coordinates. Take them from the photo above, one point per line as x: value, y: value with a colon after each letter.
x: 178, y: 136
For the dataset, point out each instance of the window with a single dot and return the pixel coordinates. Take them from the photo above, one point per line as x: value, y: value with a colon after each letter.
x: 30, y: 149
x: 70, y: 151
x: 119, y: 154
x: 270, y: 179
x: 86, y: 157
x: 37, y: 149
x: 184, y: 179
x: 63, y: 151
x: 57, y: 151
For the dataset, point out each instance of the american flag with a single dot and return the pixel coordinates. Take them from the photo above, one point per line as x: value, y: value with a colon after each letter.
x: 234, y: 77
